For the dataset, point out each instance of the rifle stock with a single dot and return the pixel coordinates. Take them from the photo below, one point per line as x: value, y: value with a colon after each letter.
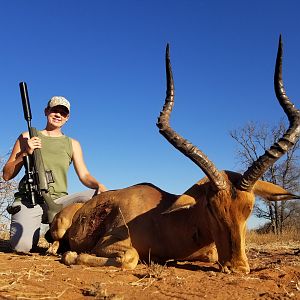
x: 38, y: 178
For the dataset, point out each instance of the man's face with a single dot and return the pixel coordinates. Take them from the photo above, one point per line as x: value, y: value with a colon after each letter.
x: 57, y: 115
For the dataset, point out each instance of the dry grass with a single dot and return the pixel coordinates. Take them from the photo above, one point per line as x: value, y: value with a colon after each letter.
x: 157, y: 271
x: 30, y: 281
x: 17, y: 284
x: 288, y: 235
x: 97, y: 291
x: 289, y: 239
x: 153, y: 272
x: 4, y: 232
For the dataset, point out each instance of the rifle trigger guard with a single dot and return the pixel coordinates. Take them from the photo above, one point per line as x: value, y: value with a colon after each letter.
x: 12, y: 210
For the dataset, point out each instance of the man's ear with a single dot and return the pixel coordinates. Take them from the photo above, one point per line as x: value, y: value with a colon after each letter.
x: 46, y: 111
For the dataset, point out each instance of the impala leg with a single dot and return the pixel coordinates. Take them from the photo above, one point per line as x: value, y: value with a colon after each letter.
x: 52, y: 250
x: 111, y: 250
x: 125, y: 260
x: 118, y: 248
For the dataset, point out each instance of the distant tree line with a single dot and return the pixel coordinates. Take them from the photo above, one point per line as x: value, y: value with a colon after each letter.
x: 7, y: 190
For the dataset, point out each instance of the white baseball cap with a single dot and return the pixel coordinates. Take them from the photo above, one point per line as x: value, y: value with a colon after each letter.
x: 59, y: 100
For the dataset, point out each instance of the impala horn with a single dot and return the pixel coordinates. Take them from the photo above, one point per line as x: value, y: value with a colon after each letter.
x: 259, y: 167
x: 181, y: 144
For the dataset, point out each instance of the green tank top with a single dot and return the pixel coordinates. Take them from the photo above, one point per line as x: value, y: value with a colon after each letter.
x: 57, y: 156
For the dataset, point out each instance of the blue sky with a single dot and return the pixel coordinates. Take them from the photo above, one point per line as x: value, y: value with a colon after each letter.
x: 107, y: 58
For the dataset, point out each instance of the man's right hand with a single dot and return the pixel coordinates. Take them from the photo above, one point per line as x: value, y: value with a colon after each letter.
x: 33, y: 143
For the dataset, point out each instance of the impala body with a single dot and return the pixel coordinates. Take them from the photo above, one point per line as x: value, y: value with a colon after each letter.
x: 207, y: 222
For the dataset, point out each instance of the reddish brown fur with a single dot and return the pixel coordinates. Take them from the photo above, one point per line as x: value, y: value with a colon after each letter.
x: 116, y: 223
x: 60, y: 224
x: 118, y: 227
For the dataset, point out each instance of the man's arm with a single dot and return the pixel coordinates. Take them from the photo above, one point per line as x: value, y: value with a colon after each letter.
x: 82, y: 172
x: 23, y: 146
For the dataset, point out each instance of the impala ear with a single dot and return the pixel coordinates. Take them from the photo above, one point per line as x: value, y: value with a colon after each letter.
x: 188, y: 198
x: 272, y: 192
x: 182, y: 202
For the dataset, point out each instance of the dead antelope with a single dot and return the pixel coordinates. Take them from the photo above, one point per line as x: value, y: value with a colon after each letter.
x: 207, y: 222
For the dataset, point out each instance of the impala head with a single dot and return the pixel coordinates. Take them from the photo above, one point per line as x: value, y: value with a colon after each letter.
x: 230, y: 196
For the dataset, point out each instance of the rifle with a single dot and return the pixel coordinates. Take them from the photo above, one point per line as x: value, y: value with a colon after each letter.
x: 37, y: 178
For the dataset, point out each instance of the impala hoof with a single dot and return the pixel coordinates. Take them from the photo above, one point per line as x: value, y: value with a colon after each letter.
x: 69, y: 258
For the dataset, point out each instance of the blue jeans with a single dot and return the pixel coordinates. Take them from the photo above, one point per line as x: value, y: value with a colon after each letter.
x: 26, y: 224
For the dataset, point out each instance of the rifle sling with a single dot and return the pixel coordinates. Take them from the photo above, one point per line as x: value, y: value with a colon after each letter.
x: 53, y: 208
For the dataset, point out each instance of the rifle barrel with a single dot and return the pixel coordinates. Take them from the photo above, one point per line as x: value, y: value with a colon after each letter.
x: 25, y: 102
x: 37, y: 179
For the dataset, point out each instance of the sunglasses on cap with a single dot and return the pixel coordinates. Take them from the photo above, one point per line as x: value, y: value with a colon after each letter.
x: 62, y: 110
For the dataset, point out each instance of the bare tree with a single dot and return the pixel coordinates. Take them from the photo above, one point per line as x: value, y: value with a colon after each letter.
x: 253, y: 140
x: 7, y: 190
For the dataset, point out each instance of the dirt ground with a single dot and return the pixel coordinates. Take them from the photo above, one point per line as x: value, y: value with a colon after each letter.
x: 275, y: 274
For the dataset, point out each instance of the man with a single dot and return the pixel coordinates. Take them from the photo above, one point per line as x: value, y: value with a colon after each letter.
x: 58, y: 152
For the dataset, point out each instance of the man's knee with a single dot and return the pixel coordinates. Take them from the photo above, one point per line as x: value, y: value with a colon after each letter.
x: 21, y: 241
x: 21, y: 246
